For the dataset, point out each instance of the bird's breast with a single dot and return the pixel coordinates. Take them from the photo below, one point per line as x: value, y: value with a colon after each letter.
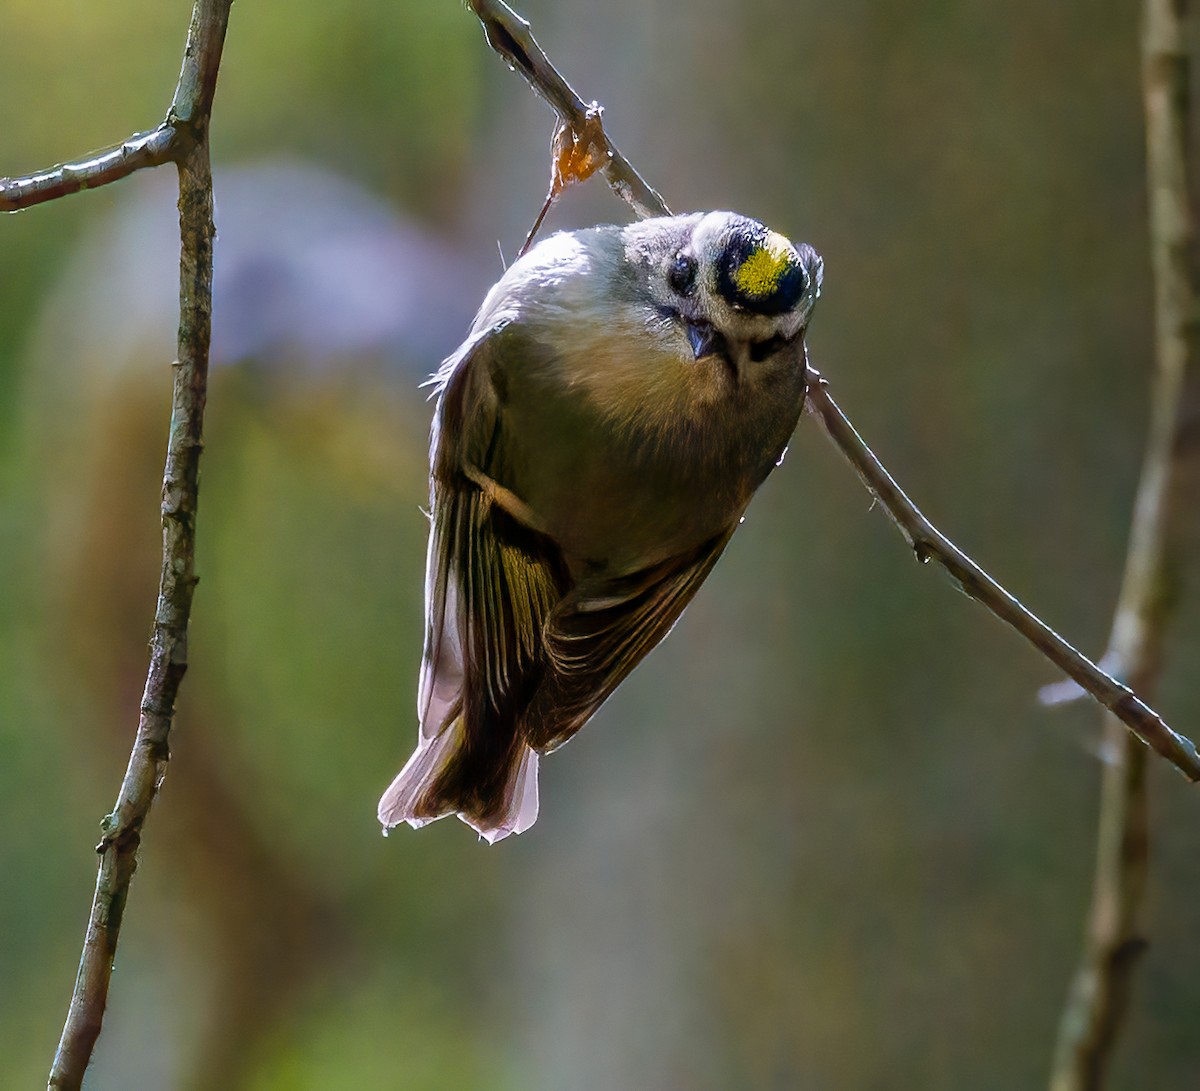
x: 631, y: 451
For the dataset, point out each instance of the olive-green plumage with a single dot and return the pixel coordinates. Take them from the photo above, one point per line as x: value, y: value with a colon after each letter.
x: 621, y: 395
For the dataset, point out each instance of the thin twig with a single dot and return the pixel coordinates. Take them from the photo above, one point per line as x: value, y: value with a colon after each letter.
x: 929, y: 543
x: 192, y: 101
x: 1103, y: 981
x: 510, y: 36
x: 150, y: 149
x: 187, y: 121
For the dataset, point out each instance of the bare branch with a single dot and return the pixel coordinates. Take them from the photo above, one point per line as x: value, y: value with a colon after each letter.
x: 1103, y: 981
x: 510, y: 36
x: 191, y: 103
x: 188, y: 124
x: 929, y: 543
x: 150, y: 149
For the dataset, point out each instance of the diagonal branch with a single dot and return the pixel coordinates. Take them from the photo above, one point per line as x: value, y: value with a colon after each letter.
x: 187, y: 144
x: 509, y: 35
x: 929, y: 543
x: 1103, y: 981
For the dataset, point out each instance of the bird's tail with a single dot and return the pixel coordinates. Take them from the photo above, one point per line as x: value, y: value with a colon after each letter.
x: 439, y: 779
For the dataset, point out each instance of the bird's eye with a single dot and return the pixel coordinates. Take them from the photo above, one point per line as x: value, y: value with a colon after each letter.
x: 682, y: 274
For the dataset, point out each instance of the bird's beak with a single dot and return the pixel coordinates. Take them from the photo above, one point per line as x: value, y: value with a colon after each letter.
x: 702, y: 337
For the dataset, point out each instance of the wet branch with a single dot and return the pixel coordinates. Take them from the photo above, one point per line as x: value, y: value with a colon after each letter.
x: 509, y: 35
x: 183, y: 139
x: 1103, y: 981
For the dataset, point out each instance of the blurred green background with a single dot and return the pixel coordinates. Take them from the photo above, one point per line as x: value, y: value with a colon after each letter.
x: 823, y: 838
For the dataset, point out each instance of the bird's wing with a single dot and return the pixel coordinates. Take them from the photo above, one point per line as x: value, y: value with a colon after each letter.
x: 491, y: 578
x: 601, y: 630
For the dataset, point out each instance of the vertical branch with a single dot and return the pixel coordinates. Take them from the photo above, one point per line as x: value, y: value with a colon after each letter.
x: 189, y: 118
x: 1103, y: 982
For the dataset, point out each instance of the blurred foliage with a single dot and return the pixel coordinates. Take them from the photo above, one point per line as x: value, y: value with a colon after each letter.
x: 824, y: 838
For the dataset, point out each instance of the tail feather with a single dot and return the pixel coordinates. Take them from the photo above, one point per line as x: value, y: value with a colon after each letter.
x: 417, y: 797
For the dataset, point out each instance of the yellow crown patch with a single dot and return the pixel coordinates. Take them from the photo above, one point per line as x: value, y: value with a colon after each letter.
x: 759, y: 275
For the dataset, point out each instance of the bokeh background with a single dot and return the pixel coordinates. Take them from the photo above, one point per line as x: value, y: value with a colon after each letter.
x: 824, y: 837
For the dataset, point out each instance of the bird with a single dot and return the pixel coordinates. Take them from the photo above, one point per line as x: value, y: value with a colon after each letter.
x: 622, y: 393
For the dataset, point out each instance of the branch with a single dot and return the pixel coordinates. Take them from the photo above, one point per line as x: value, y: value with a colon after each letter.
x: 509, y: 35
x: 1103, y: 981
x: 191, y: 104
x: 187, y: 124
x: 150, y: 149
x: 929, y: 543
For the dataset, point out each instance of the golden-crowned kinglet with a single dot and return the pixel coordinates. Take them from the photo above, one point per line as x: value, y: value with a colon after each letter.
x: 622, y: 393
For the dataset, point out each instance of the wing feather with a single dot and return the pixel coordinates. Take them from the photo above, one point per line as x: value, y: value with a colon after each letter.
x: 515, y: 652
x: 601, y: 630
x: 491, y: 583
